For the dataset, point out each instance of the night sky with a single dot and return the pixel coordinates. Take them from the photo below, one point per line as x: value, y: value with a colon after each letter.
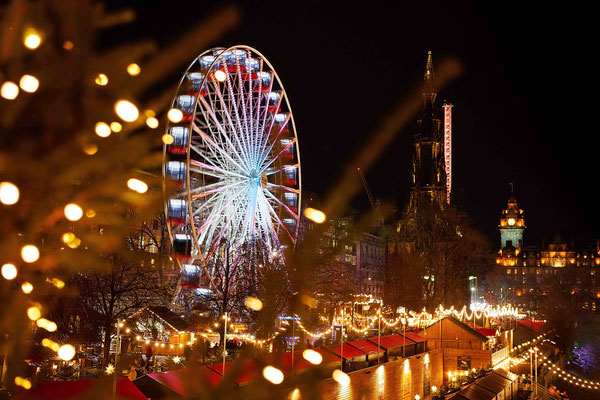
x: 522, y: 108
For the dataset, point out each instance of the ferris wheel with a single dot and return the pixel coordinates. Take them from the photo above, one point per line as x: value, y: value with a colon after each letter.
x: 232, y: 156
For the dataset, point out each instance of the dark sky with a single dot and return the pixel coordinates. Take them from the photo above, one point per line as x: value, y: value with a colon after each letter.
x: 522, y: 108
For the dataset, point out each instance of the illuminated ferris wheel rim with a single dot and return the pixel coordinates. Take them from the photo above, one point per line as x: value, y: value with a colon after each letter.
x: 258, y: 176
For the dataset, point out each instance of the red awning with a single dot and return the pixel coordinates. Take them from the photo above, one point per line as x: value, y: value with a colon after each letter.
x: 388, y: 342
x: 366, y: 346
x: 284, y: 360
x: 534, y: 325
x: 241, y: 372
x: 347, y: 351
x: 92, y: 388
x: 414, y: 337
x: 187, y: 382
x: 487, y: 332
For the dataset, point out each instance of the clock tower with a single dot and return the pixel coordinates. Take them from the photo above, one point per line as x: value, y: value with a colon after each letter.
x: 512, y: 225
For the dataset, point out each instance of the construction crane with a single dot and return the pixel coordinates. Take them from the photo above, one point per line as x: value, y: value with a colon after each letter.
x: 366, y: 185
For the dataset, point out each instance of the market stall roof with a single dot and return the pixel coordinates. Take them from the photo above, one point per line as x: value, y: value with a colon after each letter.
x: 86, y: 388
x: 493, y: 382
x: 366, y: 346
x: 415, y: 337
x: 240, y: 371
x: 537, y: 326
x: 172, y: 319
x: 189, y: 382
x: 347, y: 351
x: 284, y: 360
x: 474, y: 392
x: 388, y: 342
x: 488, y: 332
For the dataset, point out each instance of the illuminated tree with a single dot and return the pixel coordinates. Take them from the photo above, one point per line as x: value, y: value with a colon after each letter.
x: 586, y: 356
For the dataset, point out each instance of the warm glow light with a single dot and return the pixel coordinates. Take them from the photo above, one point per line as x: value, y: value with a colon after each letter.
x: 167, y: 139
x: 34, y: 313
x: 29, y: 83
x: 110, y: 369
x: 175, y: 115
x: 30, y: 253
x: 90, y: 213
x: 101, y: 80
x: 32, y: 39
x: 23, y: 382
x: 27, y: 287
x: 137, y: 185
x: 9, y: 90
x: 90, y: 149
x: 221, y: 76
x: 73, y: 212
x: 126, y: 110
x: 341, y: 377
x: 152, y: 122
x: 9, y: 271
x: 273, y: 375
x: 46, y: 324
x: 66, y: 352
x: 312, y: 356
x: 67, y: 237
x: 254, y: 303
x: 315, y: 215
x: 116, y: 127
x: 56, y: 282
x: 9, y: 193
x: 133, y: 69
x: 102, y: 129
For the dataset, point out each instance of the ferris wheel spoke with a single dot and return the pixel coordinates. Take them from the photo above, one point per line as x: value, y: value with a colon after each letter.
x: 286, y: 188
x: 219, y: 211
x: 223, y: 133
x: 224, y: 172
x: 282, y: 204
x: 217, y: 147
x: 278, y: 155
x: 206, y: 191
x: 275, y: 216
x: 265, y: 154
x: 226, y: 112
x: 266, y: 132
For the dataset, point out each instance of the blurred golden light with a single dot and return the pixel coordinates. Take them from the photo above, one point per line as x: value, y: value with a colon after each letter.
x: 341, y: 377
x: 9, y: 90
x: 34, y: 313
x: 315, y: 215
x: 73, y: 212
x: 23, y: 382
x: 101, y: 80
x: 133, y: 69
x: 167, y: 138
x: 90, y: 213
x: 9, y: 271
x: 67, y: 237
x: 30, y: 253
x: 102, y: 129
x: 273, y: 375
x: 66, y: 352
x: 110, y: 369
x: 312, y: 356
x: 221, y: 76
x: 46, y: 324
x: 90, y: 149
x: 75, y: 243
x: 9, y: 193
x: 116, y: 127
x: 152, y: 122
x: 57, y: 282
x: 29, y: 83
x: 149, y: 113
x: 126, y: 110
x: 68, y: 45
x: 32, y: 39
x: 27, y: 287
x: 254, y: 303
x: 137, y: 185
x: 174, y: 115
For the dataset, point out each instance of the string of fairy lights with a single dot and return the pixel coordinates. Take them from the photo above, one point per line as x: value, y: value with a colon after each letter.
x: 527, y: 353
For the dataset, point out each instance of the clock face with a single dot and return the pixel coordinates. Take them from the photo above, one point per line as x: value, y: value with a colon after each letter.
x: 511, y: 221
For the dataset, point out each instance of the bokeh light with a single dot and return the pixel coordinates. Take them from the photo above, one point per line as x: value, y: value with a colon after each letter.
x: 126, y: 110
x: 30, y: 253
x: 9, y: 90
x: 9, y: 271
x: 9, y: 193
x: 73, y: 212
x: 29, y: 83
